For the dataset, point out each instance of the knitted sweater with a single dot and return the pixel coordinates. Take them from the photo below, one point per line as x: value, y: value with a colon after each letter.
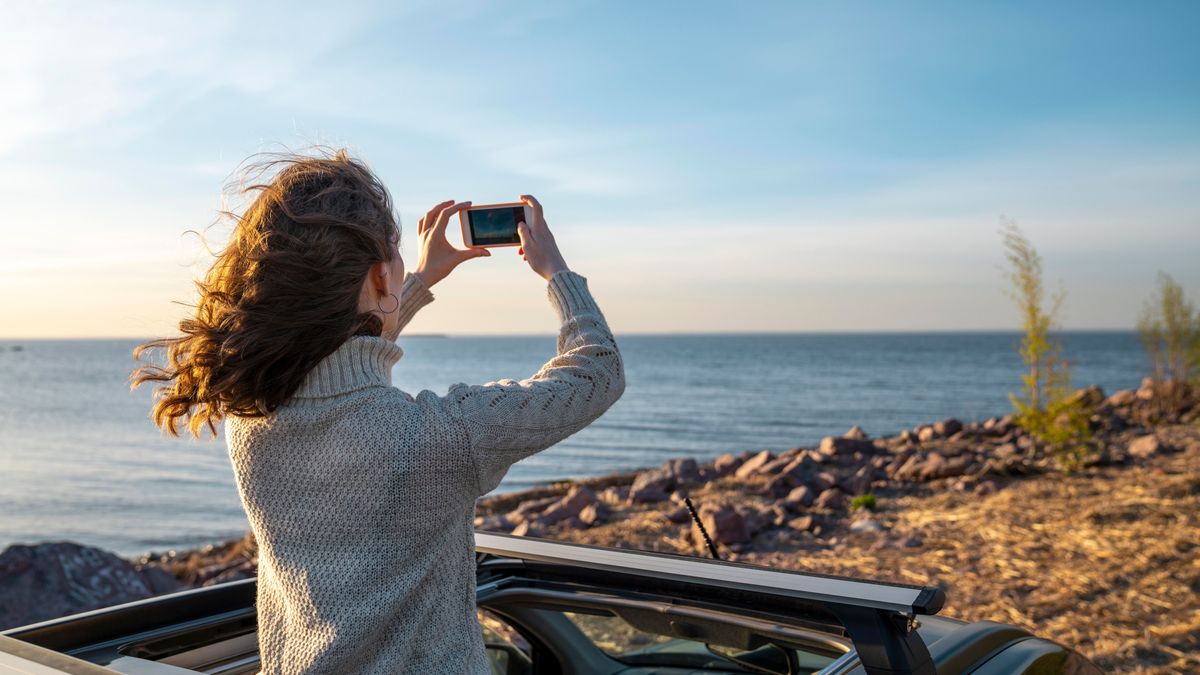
x: 362, y: 497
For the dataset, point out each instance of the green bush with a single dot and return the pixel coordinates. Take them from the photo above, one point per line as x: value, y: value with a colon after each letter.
x: 866, y: 501
x: 1045, y: 408
x: 1170, y: 331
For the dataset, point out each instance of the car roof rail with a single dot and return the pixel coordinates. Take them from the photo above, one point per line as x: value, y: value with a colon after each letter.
x: 880, y: 618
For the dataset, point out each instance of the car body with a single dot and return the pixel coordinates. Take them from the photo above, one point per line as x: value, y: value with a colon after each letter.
x: 554, y: 607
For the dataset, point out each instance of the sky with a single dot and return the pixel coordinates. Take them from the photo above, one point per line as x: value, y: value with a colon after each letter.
x: 709, y: 167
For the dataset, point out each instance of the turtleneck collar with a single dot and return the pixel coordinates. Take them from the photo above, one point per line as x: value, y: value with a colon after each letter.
x: 361, y: 361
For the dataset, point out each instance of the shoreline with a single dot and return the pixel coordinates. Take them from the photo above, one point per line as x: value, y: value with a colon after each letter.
x: 909, y: 507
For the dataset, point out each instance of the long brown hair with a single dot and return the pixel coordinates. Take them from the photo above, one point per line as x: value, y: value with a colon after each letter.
x: 281, y: 295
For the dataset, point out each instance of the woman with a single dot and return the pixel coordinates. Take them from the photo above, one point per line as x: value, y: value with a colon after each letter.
x: 361, y: 496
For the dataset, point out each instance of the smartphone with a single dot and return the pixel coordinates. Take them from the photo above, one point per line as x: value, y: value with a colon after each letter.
x: 493, y: 225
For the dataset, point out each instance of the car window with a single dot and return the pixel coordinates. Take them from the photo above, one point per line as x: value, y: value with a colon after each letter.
x: 633, y: 646
x: 507, y: 650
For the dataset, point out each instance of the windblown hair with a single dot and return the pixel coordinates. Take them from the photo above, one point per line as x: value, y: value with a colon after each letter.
x: 283, y: 293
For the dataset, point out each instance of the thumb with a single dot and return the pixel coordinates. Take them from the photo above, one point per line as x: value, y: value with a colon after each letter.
x: 525, y: 235
x: 469, y: 253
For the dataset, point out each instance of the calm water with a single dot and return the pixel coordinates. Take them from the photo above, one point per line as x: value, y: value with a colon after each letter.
x: 80, y: 460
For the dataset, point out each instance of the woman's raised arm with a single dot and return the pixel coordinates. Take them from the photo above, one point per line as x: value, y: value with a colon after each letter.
x: 508, y: 420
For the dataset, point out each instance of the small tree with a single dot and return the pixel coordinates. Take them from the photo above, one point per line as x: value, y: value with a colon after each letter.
x: 1170, y: 331
x: 1045, y: 407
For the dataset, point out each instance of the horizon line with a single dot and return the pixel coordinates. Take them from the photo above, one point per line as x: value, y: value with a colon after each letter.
x: 714, y: 333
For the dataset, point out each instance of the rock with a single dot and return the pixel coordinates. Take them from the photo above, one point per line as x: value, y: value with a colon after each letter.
x: 906, y: 437
x: 832, y: 499
x: 1121, y: 398
x: 1006, y: 450
x: 801, y: 497
x: 530, y: 508
x: 911, y: 542
x: 910, y: 469
x: 866, y: 525
x: 860, y: 482
x: 594, y: 514
x: 656, y: 479
x: 648, y: 495
x: 781, y: 485
x: 1146, y: 446
x: 493, y: 524
x: 54, y: 579
x: 802, y: 523
x: 569, y: 506
x: 985, y: 488
x: 832, y: 446
x: 161, y: 581
x: 776, y: 465
x: 724, y: 524
x: 926, y: 434
x: 236, y: 572
x: 775, y: 515
x: 822, y: 481
x: 726, y: 464
x: 856, y: 433
x: 529, y: 528
x: 933, y: 466
x: 616, y: 494
x: 679, y: 515
x: 752, y: 465
x: 1146, y: 391
x: 1090, y: 397
x: 947, y: 428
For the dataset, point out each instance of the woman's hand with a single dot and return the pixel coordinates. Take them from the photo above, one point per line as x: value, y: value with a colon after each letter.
x: 438, y: 257
x: 537, y: 243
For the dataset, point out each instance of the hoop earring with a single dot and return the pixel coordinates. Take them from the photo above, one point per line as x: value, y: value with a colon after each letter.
x: 389, y: 311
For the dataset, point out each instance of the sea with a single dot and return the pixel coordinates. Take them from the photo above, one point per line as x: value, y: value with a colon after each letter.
x: 81, y: 461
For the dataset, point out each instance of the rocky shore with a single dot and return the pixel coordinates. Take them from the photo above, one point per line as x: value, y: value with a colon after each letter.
x: 1103, y: 558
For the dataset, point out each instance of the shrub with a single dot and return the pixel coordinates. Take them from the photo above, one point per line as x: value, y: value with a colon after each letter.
x: 1170, y: 332
x: 1045, y: 408
x: 866, y: 501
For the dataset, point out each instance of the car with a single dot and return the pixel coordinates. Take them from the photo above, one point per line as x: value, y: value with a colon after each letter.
x: 555, y: 607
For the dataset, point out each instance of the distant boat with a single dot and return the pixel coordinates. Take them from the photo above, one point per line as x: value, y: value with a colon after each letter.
x: 17, y: 348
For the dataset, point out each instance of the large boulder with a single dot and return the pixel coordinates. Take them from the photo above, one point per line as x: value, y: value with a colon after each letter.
x: 55, y: 579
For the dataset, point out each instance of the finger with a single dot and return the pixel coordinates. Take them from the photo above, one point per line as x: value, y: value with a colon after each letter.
x: 444, y: 217
x: 535, y: 205
x: 432, y: 216
x: 467, y: 254
x: 525, y: 234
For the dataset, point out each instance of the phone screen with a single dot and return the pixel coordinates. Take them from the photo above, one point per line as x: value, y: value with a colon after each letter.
x: 495, y: 226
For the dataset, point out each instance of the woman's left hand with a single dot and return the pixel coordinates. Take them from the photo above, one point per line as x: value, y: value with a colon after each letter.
x: 438, y: 257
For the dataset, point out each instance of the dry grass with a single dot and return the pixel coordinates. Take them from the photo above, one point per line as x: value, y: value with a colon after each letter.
x: 1106, y: 561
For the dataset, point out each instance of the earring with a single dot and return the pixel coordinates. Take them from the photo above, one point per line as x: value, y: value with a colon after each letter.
x: 389, y: 311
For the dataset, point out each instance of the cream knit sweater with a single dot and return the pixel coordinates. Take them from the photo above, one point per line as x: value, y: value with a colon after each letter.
x: 362, y: 497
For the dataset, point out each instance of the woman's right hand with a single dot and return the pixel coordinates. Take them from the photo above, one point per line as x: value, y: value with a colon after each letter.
x: 538, y: 247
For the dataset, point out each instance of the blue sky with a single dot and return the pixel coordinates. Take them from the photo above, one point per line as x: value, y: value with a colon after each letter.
x: 708, y: 166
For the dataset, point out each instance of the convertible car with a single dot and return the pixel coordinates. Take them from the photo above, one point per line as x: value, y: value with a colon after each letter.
x: 552, y: 607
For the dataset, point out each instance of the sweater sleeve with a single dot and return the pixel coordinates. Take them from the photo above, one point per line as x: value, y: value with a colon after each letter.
x: 414, y: 295
x: 509, y: 420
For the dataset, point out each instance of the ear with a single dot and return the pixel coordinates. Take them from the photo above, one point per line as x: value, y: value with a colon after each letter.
x: 378, y: 278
